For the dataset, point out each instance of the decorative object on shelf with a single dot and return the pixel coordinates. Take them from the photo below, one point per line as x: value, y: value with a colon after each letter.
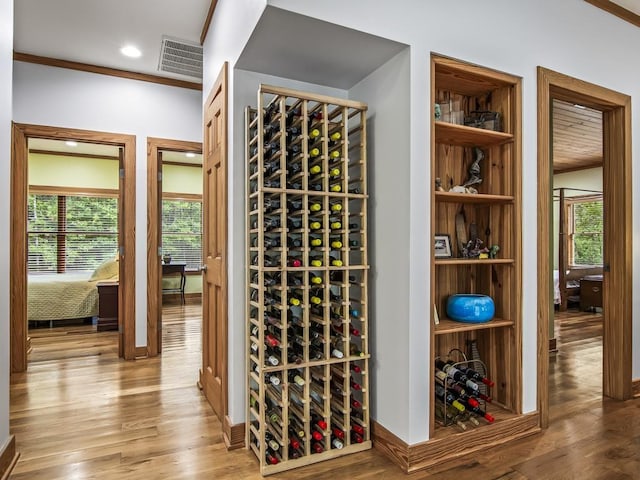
x: 166, y: 258
x: 436, y: 317
x: 470, y: 307
x: 437, y: 111
x: 439, y: 185
x: 484, y: 119
x: 493, y: 251
x: 474, y: 171
x: 461, y: 231
x: 442, y: 246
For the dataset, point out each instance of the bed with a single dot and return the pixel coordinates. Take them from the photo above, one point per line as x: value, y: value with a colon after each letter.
x: 67, y: 296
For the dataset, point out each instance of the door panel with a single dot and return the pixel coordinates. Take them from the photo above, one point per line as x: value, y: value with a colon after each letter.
x: 213, y: 376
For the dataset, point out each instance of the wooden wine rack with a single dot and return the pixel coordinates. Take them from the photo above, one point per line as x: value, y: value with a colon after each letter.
x: 496, y: 211
x: 307, y: 328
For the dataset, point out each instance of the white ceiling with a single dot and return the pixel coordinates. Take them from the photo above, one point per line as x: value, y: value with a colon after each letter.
x: 93, y: 31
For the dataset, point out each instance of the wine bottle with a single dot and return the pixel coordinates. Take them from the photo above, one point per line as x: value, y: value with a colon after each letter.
x: 315, y: 225
x: 295, y: 427
x: 316, y: 447
x: 336, y: 187
x: 315, y: 278
x: 336, y: 207
x: 318, y: 421
x: 294, y: 205
x: 272, y: 378
x: 271, y: 340
x: 294, y: 262
x: 315, y: 207
x: 356, y: 437
x: 448, y: 398
x: 271, y: 457
x: 271, y: 441
x: 356, y: 427
x: 271, y: 358
x: 315, y: 241
x: 456, y: 374
x: 334, y: 173
x: 294, y: 241
x: 294, y: 131
x: 315, y: 169
x: 478, y: 411
x: 294, y: 222
x: 314, y: 133
x: 337, y: 432
x: 294, y: 443
x: 473, y: 375
x: 355, y: 385
x: 355, y: 368
x: 337, y: 443
x: 294, y: 377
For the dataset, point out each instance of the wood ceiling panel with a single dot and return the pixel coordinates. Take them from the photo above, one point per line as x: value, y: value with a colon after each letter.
x: 577, y: 137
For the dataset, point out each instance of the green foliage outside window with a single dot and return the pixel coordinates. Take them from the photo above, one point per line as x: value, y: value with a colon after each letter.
x: 587, y: 233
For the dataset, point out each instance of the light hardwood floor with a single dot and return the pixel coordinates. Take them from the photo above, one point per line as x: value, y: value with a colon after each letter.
x: 85, y: 414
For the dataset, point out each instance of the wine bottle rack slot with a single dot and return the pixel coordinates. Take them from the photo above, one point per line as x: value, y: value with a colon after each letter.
x: 307, y: 314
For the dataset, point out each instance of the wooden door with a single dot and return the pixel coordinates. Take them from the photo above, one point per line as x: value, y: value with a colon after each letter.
x: 121, y: 271
x: 213, y: 377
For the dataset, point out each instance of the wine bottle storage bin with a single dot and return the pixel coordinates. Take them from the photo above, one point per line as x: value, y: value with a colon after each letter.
x: 307, y: 261
x: 448, y: 414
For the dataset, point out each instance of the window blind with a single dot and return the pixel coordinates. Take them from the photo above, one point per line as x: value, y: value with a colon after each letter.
x: 182, y: 231
x: 70, y: 233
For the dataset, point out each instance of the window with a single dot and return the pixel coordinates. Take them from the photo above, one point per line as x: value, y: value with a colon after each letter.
x: 182, y: 231
x: 586, y: 222
x: 70, y: 233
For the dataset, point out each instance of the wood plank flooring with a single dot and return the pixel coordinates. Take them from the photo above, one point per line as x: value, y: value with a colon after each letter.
x: 82, y: 413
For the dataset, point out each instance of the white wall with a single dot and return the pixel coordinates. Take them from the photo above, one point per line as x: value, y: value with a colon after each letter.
x: 386, y: 91
x: 66, y: 98
x: 525, y: 34
x: 588, y: 179
x: 6, y: 79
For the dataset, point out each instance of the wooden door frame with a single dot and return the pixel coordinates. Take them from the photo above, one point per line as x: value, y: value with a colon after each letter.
x: 617, y: 283
x: 18, y: 235
x: 154, y: 234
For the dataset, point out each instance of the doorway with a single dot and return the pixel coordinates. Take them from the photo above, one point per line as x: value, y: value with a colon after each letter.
x: 125, y: 144
x: 178, y: 164
x: 616, y: 276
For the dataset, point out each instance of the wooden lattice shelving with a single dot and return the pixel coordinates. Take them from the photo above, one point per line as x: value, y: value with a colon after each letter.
x: 307, y: 327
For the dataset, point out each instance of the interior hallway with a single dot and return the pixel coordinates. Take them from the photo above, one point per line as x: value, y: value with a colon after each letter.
x: 90, y: 415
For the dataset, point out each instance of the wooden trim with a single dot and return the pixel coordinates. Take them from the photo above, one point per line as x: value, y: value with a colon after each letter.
x: 419, y: 456
x: 392, y: 447
x: 635, y: 388
x: 113, y: 72
x: 233, y: 435
x: 577, y: 169
x: 314, y: 97
x: 72, y: 154
x: 18, y: 262
x: 141, y: 352
x: 191, y: 197
x: 617, y: 10
x: 154, y: 234
x: 207, y: 21
x: 616, y: 180
x: 182, y: 164
x: 70, y: 191
x: 8, y: 458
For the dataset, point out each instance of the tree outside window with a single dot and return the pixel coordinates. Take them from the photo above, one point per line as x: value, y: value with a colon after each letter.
x: 587, y: 232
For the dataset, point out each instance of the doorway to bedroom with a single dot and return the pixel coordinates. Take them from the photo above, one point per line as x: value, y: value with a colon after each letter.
x: 593, y: 244
x: 174, y: 255
x: 71, y: 255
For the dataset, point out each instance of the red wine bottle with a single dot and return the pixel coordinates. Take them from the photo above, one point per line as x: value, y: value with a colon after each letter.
x: 271, y: 457
x: 473, y: 375
x: 481, y: 413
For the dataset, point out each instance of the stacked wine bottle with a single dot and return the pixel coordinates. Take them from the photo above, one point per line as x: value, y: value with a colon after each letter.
x: 308, y: 378
x: 461, y: 394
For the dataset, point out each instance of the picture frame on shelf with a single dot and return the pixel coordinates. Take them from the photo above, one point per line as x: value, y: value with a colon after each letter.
x: 442, y: 245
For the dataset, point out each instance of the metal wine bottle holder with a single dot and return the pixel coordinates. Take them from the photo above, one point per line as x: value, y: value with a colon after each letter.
x: 445, y: 422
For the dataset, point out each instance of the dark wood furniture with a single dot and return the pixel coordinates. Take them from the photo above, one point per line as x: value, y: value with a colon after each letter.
x: 107, y: 306
x: 590, y: 292
x: 172, y: 269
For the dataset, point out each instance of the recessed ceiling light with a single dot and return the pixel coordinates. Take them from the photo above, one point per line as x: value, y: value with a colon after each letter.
x: 71, y: 143
x: 130, y: 51
x: 189, y: 154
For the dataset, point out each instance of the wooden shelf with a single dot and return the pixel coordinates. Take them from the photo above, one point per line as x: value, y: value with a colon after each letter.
x: 496, y: 219
x: 481, y: 198
x: 464, y: 136
x: 471, y: 261
x: 451, y: 326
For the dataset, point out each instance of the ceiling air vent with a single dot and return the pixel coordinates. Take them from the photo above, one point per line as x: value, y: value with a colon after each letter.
x: 180, y: 56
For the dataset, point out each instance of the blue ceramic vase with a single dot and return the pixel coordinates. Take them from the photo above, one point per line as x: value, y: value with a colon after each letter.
x: 470, y: 308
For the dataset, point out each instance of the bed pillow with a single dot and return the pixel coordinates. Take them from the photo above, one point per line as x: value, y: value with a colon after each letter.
x: 106, y: 270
